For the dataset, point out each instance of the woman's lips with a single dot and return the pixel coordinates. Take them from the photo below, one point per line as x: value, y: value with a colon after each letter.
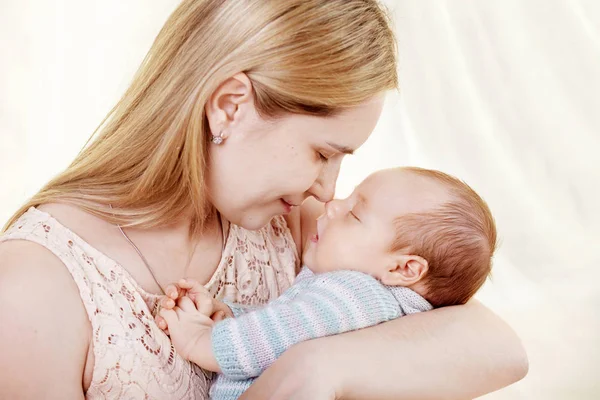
x: 314, y: 238
x: 287, y: 206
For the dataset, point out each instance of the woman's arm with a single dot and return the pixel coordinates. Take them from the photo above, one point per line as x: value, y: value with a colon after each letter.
x: 45, y: 331
x: 451, y: 353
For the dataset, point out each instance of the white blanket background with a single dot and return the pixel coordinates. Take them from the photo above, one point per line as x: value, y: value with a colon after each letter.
x: 502, y: 93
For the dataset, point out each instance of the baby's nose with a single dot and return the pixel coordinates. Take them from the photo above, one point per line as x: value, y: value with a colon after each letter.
x: 332, y: 208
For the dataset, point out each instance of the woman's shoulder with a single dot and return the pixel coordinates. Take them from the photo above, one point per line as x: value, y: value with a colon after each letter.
x: 31, y: 265
x: 41, y: 296
x: 61, y: 223
x: 74, y: 218
x: 64, y: 233
x: 33, y: 279
x: 28, y: 272
x: 43, y: 321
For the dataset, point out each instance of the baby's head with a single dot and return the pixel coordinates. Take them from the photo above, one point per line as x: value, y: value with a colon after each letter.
x: 410, y: 227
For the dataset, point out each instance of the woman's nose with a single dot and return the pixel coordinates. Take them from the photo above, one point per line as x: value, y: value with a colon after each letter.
x: 324, y: 187
x: 322, y: 193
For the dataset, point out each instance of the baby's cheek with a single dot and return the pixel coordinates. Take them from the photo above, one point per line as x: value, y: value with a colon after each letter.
x: 333, y: 255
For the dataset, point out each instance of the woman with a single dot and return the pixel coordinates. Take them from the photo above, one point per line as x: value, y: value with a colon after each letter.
x: 241, y: 111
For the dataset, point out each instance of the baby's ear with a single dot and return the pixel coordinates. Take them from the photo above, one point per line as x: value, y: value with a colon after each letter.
x: 404, y: 270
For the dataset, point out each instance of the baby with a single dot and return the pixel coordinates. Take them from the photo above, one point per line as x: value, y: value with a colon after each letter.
x: 407, y: 240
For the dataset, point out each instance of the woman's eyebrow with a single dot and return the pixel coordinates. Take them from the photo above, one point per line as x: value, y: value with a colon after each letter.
x: 341, y: 148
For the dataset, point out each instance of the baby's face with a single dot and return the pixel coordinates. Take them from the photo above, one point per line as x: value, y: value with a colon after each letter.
x: 356, y: 233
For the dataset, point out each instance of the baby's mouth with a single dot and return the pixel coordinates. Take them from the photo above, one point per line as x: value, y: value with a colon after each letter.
x: 320, y: 227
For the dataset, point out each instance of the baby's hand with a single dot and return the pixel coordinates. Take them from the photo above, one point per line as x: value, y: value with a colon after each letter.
x: 190, y: 331
x: 202, y: 299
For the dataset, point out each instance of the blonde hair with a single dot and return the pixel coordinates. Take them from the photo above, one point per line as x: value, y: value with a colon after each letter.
x: 457, y: 238
x: 148, y: 160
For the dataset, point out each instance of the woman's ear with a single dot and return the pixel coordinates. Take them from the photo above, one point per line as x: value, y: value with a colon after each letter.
x: 405, y: 270
x: 229, y: 104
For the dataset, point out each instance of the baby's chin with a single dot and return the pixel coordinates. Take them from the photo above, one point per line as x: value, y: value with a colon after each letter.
x: 318, y: 259
x: 313, y: 270
x: 308, y: 259
x: 315, y: 267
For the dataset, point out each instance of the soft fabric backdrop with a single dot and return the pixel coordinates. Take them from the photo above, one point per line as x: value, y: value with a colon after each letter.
x: 504, y: 94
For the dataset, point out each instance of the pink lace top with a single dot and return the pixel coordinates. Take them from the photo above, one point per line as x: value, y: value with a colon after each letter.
x: 133, y: 357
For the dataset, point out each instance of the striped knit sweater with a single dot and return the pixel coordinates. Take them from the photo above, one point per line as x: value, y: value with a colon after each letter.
x: 316, y: 305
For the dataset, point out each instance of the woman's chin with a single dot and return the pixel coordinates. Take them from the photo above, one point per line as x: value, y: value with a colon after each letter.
x: 258, y: 217
x: 254, y: 222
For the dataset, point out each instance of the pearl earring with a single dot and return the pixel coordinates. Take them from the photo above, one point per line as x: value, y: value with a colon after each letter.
x: 218, y: 139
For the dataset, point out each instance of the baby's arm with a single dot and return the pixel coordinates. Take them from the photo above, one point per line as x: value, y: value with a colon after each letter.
x: 187, y: 313
x: 190, y: 329
x: 240, y: 309
x: 328, y: 304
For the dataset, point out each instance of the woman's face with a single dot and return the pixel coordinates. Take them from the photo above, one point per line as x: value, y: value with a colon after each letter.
x: 264, y: 168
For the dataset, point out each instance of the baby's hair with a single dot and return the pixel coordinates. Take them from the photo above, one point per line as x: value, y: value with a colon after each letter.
x: 457, y: 238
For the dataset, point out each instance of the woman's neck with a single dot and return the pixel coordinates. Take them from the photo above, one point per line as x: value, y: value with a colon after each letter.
x: 167, y: 248
x: 174, y: 253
